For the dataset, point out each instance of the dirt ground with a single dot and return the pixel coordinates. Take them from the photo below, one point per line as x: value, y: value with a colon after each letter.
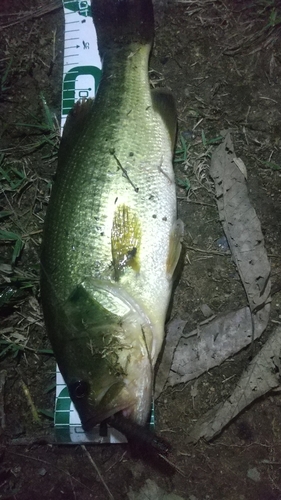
x: 222, y: 62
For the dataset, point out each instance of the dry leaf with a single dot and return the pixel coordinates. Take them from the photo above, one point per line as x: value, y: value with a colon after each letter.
x: 174, y: 331
x: 221, y: 338
x: 260, y: 377
x: 241, y: 165
x: 241, y: 224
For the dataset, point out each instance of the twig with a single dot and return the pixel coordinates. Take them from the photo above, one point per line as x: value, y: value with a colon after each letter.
x: 31, y: 405
x: 117, y: 462
x: 268, y: 462
x: 52, y: 465
x: 211, y: 252
x: 207, y: 320
x: 26, y: 16
x: 32, y: 233
x: 196, y: 202
x: 97, y: 471
x: 39, y: 440
x: 125, y: 173
x: 3, y: 374
x: 172, y: 465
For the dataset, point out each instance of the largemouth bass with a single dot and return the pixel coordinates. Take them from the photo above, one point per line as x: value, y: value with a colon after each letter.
x: 111, y: 237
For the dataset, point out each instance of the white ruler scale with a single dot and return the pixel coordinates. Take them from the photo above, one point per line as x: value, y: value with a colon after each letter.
x: 81, y: 76
x: 82, y: 65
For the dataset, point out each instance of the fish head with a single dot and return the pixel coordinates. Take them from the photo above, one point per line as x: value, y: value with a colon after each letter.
x: 106, y: 360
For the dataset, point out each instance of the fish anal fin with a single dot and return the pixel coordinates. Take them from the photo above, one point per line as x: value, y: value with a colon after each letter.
x: 125, y: 240
x: 175, y: 247
x: 164, y: 104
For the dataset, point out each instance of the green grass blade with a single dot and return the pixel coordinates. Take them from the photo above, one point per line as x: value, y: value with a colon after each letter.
x: 4, y: 214
x: 8, y: 235
x: 17, y: 250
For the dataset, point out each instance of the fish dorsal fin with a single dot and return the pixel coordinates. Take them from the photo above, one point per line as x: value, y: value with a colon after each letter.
x: 164, y: 104
x: 75, y: 122
x: 175, y: 247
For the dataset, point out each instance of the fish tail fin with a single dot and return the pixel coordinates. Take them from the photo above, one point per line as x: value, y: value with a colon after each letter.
x: 122, y: 22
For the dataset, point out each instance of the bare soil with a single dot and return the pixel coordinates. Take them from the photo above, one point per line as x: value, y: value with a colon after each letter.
x: 222, y: 62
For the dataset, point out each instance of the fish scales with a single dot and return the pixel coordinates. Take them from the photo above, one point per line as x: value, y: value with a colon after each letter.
x: 111, y: 238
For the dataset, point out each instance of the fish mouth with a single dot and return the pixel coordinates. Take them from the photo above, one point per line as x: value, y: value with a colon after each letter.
x: 138, y: 433
x: 107, y: 416
x: 125, y: 406
x: 119, y: 420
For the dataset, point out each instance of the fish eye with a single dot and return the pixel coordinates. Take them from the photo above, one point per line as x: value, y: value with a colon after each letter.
x: 79, y: 390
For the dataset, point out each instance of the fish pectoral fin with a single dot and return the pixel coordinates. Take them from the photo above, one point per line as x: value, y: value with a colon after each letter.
x: 175, y: 247
x: 125, y: 240
x: 84, y: 310
x: 164, y: 104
